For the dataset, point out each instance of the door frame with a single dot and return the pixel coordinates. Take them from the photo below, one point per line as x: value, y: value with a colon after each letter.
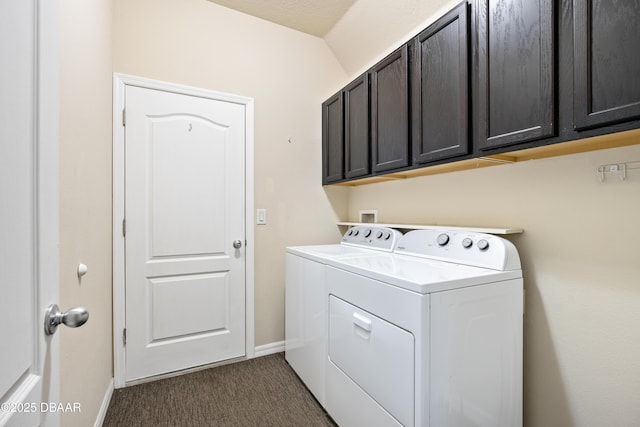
x: 120, y: 81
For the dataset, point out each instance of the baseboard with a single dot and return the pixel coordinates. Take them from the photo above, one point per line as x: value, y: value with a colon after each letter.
x: 271, y: 348
x: 105, y: 405
x: 261, y: 350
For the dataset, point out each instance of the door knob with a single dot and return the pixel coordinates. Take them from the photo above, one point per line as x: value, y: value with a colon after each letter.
x: 237, y: 244
x: 73, y: 318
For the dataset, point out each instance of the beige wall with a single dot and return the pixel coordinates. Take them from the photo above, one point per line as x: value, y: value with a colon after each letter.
x: 580, y: 261
x: 371, y: 29
x: 579, y: 249
x: 85, y: 203
x: 289, y: 74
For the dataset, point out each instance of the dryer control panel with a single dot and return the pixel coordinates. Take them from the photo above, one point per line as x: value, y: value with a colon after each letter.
x: 476, y: 249
x: 373, y: 237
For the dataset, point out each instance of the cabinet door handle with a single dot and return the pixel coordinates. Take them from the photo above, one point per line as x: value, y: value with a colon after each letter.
x: 362, y: 322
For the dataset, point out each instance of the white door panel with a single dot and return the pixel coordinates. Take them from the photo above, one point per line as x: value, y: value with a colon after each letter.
x: 184, y: 208
x: 28, y: 230
x: 179, y: 167
x: 17, y: 179
x: 191, y: 299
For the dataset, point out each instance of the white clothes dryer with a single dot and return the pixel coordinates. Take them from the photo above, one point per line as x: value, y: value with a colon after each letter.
x: 306, y: 303
x: 429, y: 335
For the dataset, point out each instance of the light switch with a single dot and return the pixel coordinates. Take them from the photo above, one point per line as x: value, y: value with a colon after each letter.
x: 261, y: 216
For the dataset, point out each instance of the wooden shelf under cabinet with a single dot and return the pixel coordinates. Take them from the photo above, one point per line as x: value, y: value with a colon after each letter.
x: 487, y: 230
x: 620, y: 139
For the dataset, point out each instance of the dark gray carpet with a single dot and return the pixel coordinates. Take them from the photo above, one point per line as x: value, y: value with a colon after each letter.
x: 258, y: 392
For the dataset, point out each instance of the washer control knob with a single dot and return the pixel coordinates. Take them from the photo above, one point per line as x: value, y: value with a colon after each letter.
x: 356, y: 232
x: 387, y: 235
x: 467, y: 243
x: 350, y: 232
x: 367, y: 233
x: 443, y: 239
x: 379, y: 235
x: 483, y: 245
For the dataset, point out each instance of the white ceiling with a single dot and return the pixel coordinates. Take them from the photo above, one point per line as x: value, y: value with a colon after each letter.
x: 314, y: 17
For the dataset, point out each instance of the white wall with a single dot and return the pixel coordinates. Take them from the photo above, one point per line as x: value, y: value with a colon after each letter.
x: 289, y: 74
x: 85, y: 203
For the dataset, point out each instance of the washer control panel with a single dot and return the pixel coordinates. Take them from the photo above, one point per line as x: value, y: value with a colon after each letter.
x: 469, y: 248
x: 372, y: 237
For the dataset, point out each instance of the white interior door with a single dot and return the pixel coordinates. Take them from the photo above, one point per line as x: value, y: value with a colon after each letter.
x: 28, y: 211
x: 185, y: 231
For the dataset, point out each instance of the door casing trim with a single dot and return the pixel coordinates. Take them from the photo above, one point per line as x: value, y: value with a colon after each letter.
x: 120, y: 81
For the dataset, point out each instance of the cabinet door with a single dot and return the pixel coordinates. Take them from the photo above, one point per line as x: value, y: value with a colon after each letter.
x: 516, y: 72
x: 440, y: 88
x: 356, y: 116
x: 332, y: 140
x: 606, y: 37
x: 390, y: 112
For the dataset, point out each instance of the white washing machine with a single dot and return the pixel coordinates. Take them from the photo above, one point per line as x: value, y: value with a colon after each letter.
x: 429, y: 335
x: 306, y: 303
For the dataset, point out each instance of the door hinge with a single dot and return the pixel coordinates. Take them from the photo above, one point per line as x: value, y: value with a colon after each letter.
x: 124, y: 336
x: 124, y: 117
x: 124, y: 227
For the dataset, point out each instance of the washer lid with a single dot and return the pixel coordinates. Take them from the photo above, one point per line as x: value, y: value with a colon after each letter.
x: 321, y: 253
x: 420, y: 274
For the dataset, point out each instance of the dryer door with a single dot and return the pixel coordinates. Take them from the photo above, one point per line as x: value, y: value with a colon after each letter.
x: 377, y: 355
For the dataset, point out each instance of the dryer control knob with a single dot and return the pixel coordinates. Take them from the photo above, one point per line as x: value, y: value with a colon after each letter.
x: 467, y: 243
x: 483, y: 245
x: 443, y: 239
x: 379, y: 235
x: 367, y: 233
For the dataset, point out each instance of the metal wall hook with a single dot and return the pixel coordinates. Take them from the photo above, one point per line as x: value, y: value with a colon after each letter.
x: 619, y: 168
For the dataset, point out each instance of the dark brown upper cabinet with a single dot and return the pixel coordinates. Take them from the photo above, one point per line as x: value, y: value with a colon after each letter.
x: 516, y: 87
x: 390, y: 112
x: 440, y: 88
x: 606, y: 44
x: 332, y: 140
x: 356, y: 128
x: 489, y: 77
